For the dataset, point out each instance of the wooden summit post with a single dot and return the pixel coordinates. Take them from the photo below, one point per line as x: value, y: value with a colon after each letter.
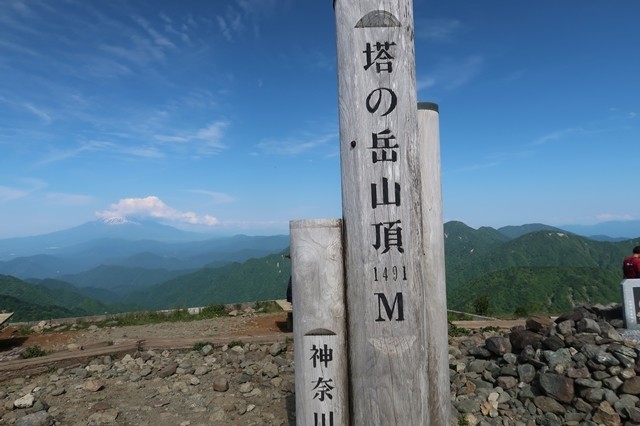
x: 393, y: 230
x: 319, y: 326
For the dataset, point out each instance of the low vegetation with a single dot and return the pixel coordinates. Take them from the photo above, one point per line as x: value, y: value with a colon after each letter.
x: 199, y: 345
x: 33, y: 351
x: 177, y: 315
x: 455, y: 331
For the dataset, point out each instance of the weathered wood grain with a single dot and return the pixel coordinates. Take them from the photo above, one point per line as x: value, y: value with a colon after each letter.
x: 392, y: 216
x: 319, y: 323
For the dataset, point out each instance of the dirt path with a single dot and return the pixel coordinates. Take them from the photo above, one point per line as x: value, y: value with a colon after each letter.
x: 72, y: 347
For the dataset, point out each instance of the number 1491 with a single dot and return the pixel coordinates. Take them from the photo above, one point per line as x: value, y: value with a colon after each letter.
x: 393, y: 273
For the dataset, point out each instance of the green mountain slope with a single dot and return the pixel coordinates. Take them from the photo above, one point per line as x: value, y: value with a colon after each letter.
x: 464, y: 246
x: 54, y: 299
x: 553, y: 260
x: 538, y: 289
x: 519, y: 231
x: 26, y: 311
x: 121, y: 280
x: 257, y: 279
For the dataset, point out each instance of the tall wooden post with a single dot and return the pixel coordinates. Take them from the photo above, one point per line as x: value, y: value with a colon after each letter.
x: 396, y: 303
x: 319, y: 324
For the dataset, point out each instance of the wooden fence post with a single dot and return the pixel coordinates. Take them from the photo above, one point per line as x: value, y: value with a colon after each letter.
x: 319, y: 325
x: 393, y: 232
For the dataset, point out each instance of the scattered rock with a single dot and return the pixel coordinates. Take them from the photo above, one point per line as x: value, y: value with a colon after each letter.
x: 25, y: 401
x: 574, y: 371
x: 577, y: 370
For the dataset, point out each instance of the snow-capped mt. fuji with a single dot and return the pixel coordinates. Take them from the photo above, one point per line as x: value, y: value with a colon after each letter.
x: 116, y: 220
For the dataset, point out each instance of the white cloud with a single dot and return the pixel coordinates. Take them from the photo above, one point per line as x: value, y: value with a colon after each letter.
x: 154, y: 207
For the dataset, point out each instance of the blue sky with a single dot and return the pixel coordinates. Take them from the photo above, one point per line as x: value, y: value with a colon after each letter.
x: 222, y: 115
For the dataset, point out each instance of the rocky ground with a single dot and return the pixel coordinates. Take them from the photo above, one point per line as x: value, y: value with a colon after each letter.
x: 218, y: 377
x: 576, y: 370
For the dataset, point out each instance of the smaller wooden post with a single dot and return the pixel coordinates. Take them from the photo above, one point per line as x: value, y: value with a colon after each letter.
x: 631, y: 303
x: 319, y: 325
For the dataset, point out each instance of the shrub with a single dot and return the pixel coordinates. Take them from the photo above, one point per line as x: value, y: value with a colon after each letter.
x: 267, y: 307
x: 481, y: 305
x: 213, y: 311
x: 455, y: 331
x: 199, y: 345
x: 33, y: 351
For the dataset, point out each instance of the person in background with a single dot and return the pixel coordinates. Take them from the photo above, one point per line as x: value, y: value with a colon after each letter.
x: 289, y: 292
x: 631, y: 264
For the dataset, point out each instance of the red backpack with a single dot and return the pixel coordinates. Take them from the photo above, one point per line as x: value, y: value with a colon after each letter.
x: 629, y: 268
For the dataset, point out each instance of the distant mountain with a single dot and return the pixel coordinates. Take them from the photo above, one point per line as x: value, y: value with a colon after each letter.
x: 100, y: 229
x: 530, y: 290
x: 256, y: 279
x: 51, y: 299
x: 552, y: 258
x: 528, y: 267
x: 518, y: 231
x: 121, y: 280
x: 149, y: 254
x: 39, y: 266
x: 463, y: 246
x: 616, y: 230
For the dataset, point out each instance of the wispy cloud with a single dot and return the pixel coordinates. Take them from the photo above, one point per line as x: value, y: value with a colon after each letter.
x: 154, y: 207
x: 479, y: 166
x: 105, y: 147
x: 68, y: 199
x: 28, y: 106
x: 230, y: 23
x: 295, y: 145
x: 29, y: 186
x: 206, y: 141
x: 451, y: 74
x: 497, y: 159
x: 438, y: 29
x: 606, y: 217
x: 215, y: 197
x: 557, y: 135
x: 158, y: 39
x: 247, y: 14
x: 38, y: 113
x: 9, y: 194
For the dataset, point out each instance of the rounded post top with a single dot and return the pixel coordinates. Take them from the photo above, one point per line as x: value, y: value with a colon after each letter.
x: 430, y: 106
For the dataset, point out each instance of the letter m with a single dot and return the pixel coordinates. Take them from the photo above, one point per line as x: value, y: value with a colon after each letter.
x: 384, y: 303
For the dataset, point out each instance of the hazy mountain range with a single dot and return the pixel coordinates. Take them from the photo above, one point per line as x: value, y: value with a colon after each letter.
x: 110, y: 267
